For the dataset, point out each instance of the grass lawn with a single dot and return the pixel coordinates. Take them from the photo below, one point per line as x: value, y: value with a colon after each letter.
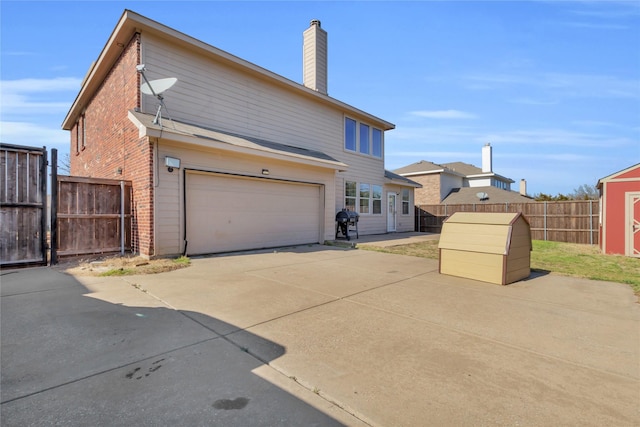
x: 562, y: 258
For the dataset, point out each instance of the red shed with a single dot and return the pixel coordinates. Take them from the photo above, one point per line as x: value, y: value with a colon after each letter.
x: 620, y: 212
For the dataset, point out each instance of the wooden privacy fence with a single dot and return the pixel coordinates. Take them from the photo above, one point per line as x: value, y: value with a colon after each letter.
x: 91, y: 216
x: 23, y: 205
x: 574, y: 221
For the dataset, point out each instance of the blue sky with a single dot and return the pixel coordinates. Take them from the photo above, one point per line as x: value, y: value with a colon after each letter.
x: 554, y: 86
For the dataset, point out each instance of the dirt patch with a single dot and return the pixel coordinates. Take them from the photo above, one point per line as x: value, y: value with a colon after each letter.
x: 121, y: 265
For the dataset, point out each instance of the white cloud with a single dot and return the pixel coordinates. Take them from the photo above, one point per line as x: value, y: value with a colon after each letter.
x: 444, y: 114
x: 58, y: 84
x: 561, y: 84
x: 26, y: 97
x: 34, y: 135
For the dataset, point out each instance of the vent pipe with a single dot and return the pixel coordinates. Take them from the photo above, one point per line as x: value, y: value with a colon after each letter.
x: 314, y: 65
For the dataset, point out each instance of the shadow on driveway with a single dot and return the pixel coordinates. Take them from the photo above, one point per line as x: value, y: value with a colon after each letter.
x: 69, y: 359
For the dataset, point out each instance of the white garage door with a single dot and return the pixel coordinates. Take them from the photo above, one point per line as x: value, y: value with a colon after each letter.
x: 226, y: 213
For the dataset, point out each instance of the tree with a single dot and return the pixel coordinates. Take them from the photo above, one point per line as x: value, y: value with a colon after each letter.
x: 585, y: 192
x: 64, y: 164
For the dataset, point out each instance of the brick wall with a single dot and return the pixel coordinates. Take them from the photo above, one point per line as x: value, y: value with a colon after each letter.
x: 429, y: 194
x: 112, y: 148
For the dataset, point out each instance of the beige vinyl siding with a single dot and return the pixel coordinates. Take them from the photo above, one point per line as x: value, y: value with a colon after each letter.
x: 213, y: 94
x: 404, y: 223
x: 169, y: 187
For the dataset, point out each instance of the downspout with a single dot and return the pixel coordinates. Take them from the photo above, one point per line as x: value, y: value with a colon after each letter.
x: 184, y: 210
x: 121, y: 217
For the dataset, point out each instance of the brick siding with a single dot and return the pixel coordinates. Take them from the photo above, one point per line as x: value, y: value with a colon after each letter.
x: 112, y: 148
x: 429, y: 194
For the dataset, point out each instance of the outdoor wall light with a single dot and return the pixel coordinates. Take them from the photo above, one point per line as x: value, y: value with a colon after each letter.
x: 265, y: 171
x: 171, y: 162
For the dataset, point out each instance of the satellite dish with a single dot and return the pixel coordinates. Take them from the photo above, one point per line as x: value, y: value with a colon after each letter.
x: 157, y: 87
x: 482, y: 195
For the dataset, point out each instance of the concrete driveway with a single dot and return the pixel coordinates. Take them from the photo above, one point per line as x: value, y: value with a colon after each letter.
x: 317, y: 335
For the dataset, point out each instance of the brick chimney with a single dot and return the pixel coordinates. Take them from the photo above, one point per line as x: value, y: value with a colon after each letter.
x: 314, y: 51
x: 523, y: 187
x: 487, y: 159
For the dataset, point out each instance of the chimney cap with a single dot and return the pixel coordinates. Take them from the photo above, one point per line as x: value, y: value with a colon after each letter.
x: 315, y: 22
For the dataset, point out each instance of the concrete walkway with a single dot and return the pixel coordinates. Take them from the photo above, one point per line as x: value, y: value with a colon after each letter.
x: 317, y: 335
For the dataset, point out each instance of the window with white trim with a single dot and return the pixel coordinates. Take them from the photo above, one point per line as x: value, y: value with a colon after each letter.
x: 350, y: 129
x: 376, y: 199
x: 363, y: 198
x: 362, y: 138
x: 350, y: 195
x: 405, y: 202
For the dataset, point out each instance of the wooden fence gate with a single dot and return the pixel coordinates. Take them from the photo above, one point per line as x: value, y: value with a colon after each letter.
x: 23, y: 205
x: 91, y: 216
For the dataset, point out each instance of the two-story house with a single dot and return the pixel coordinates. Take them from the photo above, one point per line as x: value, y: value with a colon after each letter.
x: 459, y: 182
x: 238, y: 157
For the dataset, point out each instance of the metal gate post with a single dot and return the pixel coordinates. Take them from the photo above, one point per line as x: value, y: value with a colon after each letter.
x: 53, y: 239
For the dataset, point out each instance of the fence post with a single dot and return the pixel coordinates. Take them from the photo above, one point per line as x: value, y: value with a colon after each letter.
x: 545, y: 220
x: 53, y: 238
x: 591, y: 222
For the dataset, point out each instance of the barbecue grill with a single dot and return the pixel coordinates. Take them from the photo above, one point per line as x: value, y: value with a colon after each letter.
x: 344, y: 220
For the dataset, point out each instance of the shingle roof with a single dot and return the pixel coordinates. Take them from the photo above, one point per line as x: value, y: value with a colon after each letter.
x: 403, y: 181
x: 418, y: 167
x: 463, y: 168
x: 179, y: 128
x: 468, y: 195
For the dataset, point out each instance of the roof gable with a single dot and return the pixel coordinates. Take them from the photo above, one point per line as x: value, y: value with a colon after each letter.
x: 131, y: 22
x: 629, y: 173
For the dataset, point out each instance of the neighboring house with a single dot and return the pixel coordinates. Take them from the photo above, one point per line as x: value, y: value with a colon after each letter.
x: 459, y: 182
x: 242, y: 158
x: 620, y: 212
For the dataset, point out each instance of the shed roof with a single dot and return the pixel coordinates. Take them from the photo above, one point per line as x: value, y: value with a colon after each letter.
x: 489, y: 233
x: 490, y: 218
x: 628, y: 173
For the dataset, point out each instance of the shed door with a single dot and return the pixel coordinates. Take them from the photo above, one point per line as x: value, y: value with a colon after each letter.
x: 230, y: 213
x: 633, y: 224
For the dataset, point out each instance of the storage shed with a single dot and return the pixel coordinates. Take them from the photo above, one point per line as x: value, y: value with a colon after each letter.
x: 490, y: 247
x: 620, y: 212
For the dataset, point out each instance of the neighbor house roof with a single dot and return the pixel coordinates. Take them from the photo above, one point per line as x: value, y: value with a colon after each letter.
x: 466, y: 170
x: 471, y: 171
x: 203, y: 136
x: 469, y: 195
x: 399, y: 179
x: 131, y: 23
x: 422, y: 167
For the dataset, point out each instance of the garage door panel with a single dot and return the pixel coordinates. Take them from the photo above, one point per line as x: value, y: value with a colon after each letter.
x: 233, y: 213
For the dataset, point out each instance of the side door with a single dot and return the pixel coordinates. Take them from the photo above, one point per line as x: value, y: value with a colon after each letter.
x: 392, y: 212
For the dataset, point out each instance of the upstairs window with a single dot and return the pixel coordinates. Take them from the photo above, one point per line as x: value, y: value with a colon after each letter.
x: 362, y: 138
x: 350, y: 134
x: 376, y: 142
